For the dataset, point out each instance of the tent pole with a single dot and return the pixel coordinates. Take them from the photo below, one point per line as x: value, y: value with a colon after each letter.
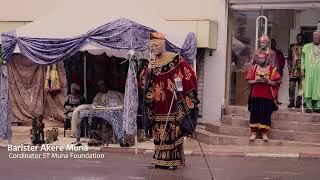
x: 85, y: 91
x: 136, y: 144
x: 195, y: 65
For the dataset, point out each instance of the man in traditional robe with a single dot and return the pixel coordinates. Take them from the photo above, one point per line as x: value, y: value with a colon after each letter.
x: 294, y: 67
x: 279, y: 59
x: 104, y: 98
x: 169, y: 126
x: 264, y: 47
x: 310, y: 70
x: 279, y: 62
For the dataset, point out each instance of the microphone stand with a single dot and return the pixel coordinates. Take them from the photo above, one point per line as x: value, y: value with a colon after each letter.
x: 196, y: 136
x: 179, y: 89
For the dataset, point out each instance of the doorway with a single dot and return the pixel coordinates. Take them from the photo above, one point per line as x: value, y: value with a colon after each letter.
x: 283, y: 26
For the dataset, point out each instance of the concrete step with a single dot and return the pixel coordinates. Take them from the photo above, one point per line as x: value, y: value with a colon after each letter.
x: 281, y: 125
x: 283, y: 114
x: 47, y: 123
x: 218, y: 139
x: 21, y: 134
x: 25, y: 131
x: 68, y: 133
x: 274, y: 133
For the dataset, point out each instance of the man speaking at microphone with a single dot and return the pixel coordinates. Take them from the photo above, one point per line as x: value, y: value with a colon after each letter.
x: 169, y: 118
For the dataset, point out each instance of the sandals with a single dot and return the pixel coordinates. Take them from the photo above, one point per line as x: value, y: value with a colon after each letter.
x: 265, y: 137
x: 253, y: 136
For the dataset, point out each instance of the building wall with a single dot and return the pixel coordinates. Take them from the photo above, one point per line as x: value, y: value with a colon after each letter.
x: 26, y: 10
x: 16, y: 13
x: 308, y: 18
x: 214, y: 76
x: 215, y: 69
x: 10, y: 25
x: 200, y: 9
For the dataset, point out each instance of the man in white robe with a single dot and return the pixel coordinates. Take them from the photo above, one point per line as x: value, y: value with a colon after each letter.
x: 104, y: 99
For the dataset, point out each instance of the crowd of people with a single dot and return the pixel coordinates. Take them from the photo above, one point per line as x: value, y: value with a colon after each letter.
x: 264, y: 79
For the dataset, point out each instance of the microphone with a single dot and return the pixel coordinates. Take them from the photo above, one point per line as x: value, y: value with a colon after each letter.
x: 178, y: 84
x: 130, y: 56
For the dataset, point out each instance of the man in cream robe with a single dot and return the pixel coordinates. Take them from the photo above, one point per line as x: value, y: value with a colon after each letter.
x: 105, y: 98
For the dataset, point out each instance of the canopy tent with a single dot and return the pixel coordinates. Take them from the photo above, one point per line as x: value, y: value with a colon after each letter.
x: 69, y: 29
x: 125, y: 25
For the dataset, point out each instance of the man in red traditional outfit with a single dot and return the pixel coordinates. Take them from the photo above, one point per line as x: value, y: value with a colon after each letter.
x: 274, y: 59
x: 169, y: 126
x: 263, y: 80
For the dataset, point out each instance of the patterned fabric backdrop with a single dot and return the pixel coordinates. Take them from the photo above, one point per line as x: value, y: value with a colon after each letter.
x: 5, y: 122
x: 131, y: 100
x: 26, y: 81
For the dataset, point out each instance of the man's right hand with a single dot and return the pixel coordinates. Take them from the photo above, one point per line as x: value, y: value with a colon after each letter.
x: 260, y: 81
x: 93, y: 106
x: 151, y: 64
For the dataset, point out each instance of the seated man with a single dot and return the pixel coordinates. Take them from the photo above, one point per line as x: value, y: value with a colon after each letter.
x: 104, y: 99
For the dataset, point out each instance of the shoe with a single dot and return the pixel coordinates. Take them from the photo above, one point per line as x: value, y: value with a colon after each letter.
x: 308, y: 111
x: 151, y: 166
x: 253, y: 137
x: 72, y: 136
x: 265, y: 137
x: 291, y: 104
x: 161, y: 167
x: 298, y: 106
x: 78, y: 144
